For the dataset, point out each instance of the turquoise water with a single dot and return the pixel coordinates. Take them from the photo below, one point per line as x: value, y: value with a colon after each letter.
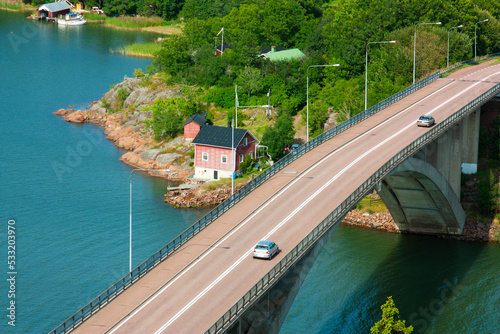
x: 62, y: 184
x: 439, y: 286
x: 66, y: 193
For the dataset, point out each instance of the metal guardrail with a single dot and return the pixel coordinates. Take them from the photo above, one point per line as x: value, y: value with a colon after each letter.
x: 96, y: 304
x: 467, y: 62
x: 226, y: 321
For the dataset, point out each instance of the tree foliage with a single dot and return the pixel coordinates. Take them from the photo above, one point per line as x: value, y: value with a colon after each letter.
x: 327, y: 35
x: 169, y: 115
x: 390, y: 322
x: 279, y: 136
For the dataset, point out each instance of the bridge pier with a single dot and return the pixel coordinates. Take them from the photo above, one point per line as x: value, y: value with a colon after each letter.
x: 267, y: 314
x: 470, y: 141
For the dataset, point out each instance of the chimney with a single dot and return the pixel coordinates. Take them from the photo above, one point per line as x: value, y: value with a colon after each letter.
x: 228, y: 124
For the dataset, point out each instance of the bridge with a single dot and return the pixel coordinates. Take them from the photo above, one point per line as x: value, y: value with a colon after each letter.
x: 206, y: 281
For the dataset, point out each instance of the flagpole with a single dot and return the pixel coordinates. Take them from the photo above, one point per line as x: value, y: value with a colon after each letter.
x: 222, y: 45
x: 232, y: 158
x: 237, y: 104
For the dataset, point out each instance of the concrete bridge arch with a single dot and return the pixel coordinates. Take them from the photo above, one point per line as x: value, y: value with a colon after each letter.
x: 421, y: 200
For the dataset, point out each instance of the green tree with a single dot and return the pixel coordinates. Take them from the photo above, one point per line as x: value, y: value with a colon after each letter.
x: 205, y: 9
x: 167, y: 9
x: 282, y: 21
x: 243, y: 25
x: 174, y: 55
x: 167, y: 117
x: 249, y: 79
x: 390, y: 322
x: 277, y: 137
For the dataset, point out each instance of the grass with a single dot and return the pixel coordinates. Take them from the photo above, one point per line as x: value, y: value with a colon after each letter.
x: 258, y: 123
x: 371, y: 205
x: 139, y: 49
x: 226, y: 183
x: 9, y: 5
x: 134, y: 22
x: 91, y: 17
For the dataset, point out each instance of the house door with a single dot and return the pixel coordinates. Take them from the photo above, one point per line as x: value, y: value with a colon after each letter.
x: 216, y: 175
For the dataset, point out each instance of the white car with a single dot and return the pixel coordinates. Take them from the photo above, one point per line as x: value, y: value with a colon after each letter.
x: 265, y: 249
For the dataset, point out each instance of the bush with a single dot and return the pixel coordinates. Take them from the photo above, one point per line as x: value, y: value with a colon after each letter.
x: 122, y: 95
x: 222, y: 97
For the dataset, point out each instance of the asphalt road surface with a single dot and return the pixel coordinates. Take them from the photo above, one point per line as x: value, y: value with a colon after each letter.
x: 191, y: 290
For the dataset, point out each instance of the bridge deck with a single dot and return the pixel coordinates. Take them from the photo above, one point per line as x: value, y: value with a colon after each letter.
x: 189, y: 291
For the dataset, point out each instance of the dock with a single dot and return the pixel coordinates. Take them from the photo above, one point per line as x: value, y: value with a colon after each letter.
x: 183, y: 187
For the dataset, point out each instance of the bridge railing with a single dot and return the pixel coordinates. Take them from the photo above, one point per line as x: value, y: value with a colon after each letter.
x: 226, y: 321
x: 467, y: 62
x: 141, y: 270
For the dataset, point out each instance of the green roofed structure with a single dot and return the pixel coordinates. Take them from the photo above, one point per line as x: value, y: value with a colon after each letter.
x: 285, y: 55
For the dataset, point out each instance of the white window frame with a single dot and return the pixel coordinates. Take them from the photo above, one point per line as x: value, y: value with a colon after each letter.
x: 242, y: 158
x: 223, y: 159
x: 245, y: 141
x: 204, y: 156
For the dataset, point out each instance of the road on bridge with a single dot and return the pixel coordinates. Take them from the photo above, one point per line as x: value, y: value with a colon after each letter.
x: 193, y: 288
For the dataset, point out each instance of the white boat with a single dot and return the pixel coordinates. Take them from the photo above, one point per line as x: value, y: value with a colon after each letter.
x: 72, y: 19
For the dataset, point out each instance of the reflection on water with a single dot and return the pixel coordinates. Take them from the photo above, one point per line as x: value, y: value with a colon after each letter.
x: 429, y: 279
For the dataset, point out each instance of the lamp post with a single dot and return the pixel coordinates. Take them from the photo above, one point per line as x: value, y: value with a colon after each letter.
x: 475, y: 37
x: 366, y: 68
x: 130, y: 227
x: 448, y: 55
x: 415, y: 44
x: 307, y: 96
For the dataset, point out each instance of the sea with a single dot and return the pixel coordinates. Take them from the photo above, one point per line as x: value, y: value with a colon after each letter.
x: 64, y: 210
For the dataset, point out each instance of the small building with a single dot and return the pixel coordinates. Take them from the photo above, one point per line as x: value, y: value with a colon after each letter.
x: 213, y: 153
x: 219, y: 49
x: 53, y: 10
x: 193, y: 125
x: 284, y: 55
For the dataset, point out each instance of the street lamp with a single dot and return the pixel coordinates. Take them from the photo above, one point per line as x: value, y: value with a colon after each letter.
x: 475, y: 35
x: 366, y: 68
x: 415, y: 44
x: 130, y: 228
x: 307, y: 96
x: 448, y: 56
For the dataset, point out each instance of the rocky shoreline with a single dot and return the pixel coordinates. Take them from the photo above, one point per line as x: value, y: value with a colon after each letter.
x: 473, y: 230
x: 123, y: 124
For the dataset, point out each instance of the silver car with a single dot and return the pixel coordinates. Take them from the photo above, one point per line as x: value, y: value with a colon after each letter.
x: 265, y: 249
x: 426, y: 120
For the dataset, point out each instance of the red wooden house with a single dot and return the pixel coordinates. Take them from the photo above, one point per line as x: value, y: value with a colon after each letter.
x: 53, y: 10
x: 193, y: 125
x: 214, y: 148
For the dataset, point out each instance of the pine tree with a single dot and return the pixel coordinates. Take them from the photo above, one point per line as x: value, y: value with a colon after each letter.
x: 390, y: 322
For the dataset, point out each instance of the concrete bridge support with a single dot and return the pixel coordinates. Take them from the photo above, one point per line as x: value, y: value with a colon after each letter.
x: 421, y: 200
x: 268, y: 313
x: 423, y: 193
x: 470, y: 141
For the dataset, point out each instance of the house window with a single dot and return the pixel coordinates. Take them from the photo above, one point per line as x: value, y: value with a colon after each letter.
x: 204, y: 156
x: 223, y: 159
x: 245, y: 141
x: 242, y: 158
x: 251, y: 155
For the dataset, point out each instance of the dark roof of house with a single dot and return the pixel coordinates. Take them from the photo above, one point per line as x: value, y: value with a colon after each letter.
x: 266, y: 49
x: 219, y: 136
x: 200, y: 119
x: 226, y: 46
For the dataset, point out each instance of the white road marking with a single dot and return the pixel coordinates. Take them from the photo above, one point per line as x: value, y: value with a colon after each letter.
x: 284, y: 221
